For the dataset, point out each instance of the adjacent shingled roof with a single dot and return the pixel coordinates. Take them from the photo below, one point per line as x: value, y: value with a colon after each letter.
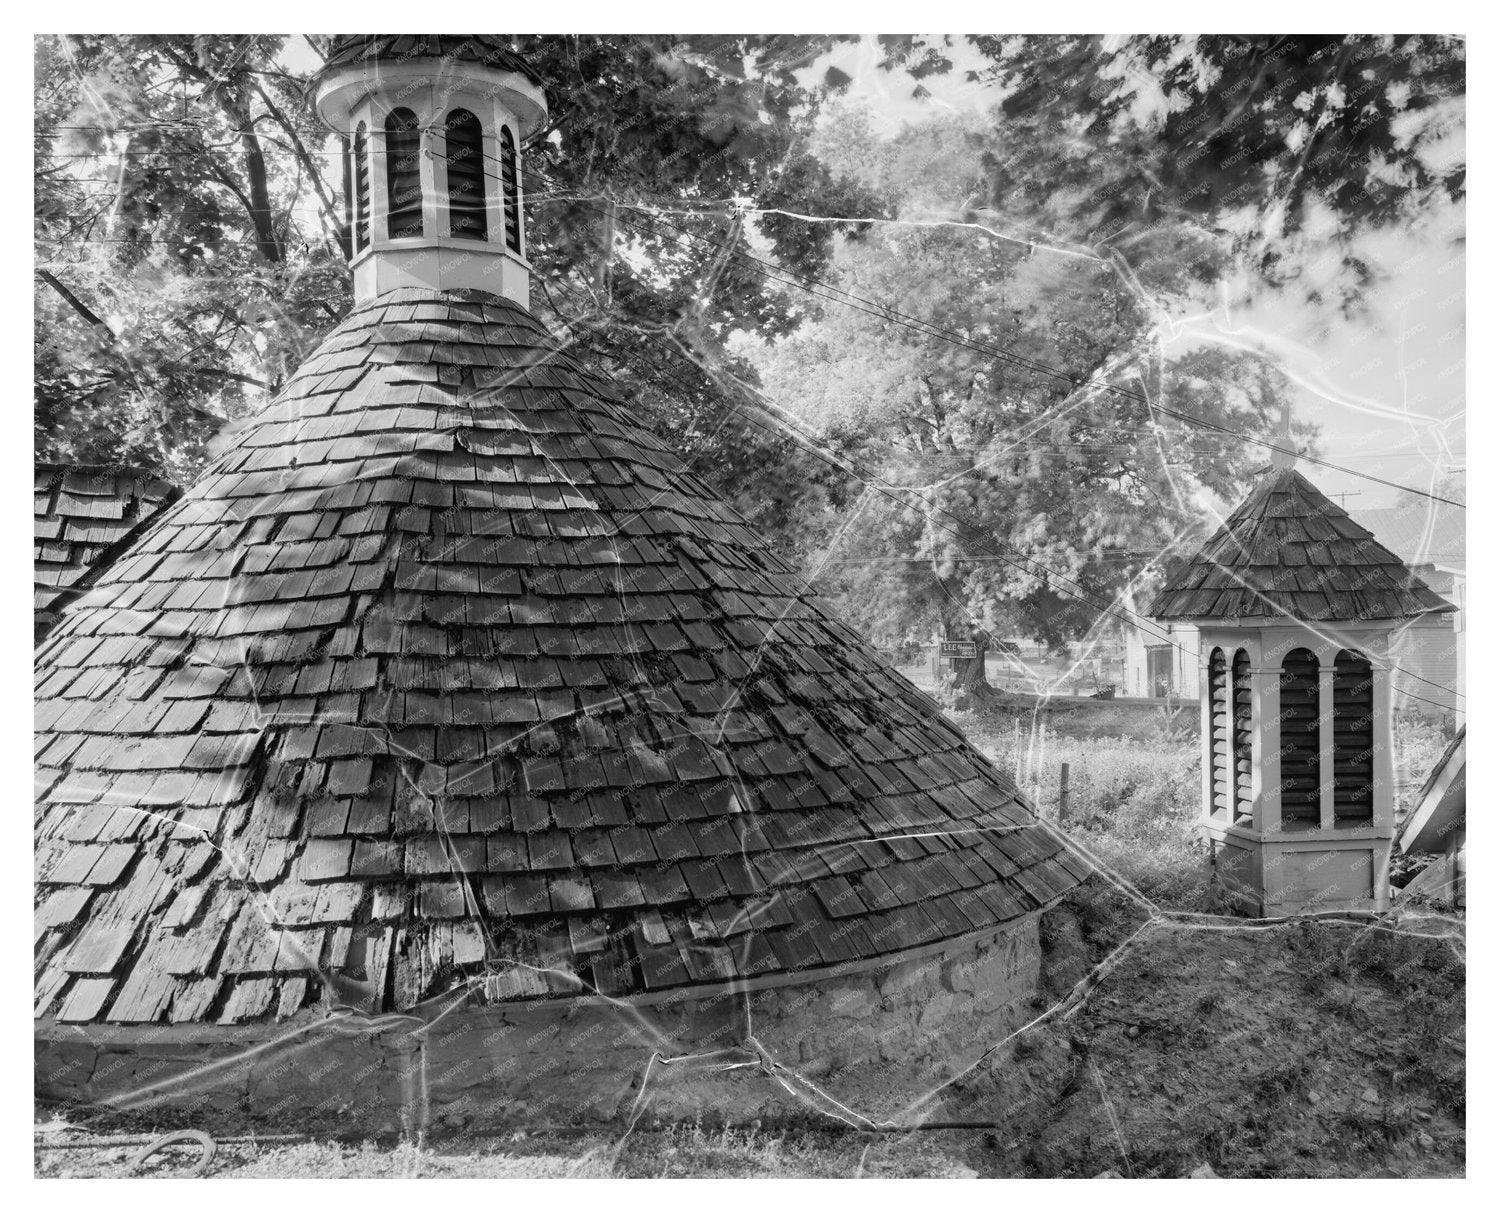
x: 1439, y: 807
x: 449, y: 672
x: 84, y: 516
x: 1288, y: 551
x: 489, y: 49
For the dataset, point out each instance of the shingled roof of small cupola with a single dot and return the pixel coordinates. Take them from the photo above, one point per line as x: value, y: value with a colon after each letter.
x: 1288, y: 551
x: 449, y: 673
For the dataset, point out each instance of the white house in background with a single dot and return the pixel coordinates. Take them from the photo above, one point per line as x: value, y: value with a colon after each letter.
x: 1161, y: 658
x: 1430, y: 651
x: 1161, y: 661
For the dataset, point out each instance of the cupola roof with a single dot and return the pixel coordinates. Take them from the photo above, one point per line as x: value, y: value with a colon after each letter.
x: 1289, y: 552
x: 489, y: 49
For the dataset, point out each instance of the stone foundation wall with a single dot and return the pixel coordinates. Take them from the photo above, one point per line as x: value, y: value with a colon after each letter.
x: 874, y: 1039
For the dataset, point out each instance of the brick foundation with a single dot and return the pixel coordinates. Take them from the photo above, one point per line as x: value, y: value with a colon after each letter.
x: 874, y: 1037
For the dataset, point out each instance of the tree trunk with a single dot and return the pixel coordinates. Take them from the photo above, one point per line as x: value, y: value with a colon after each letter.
x: 261, y: 215
x: 968, y: 674
x: 965, y: 678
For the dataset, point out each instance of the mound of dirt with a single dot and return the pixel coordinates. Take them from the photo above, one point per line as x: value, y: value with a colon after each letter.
x: 1317, y: 1049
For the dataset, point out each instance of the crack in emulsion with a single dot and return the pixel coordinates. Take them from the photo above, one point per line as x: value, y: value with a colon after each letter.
x: 749, y: 1053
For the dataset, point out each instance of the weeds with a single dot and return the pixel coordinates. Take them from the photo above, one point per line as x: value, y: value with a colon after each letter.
x: 1210, y: 1001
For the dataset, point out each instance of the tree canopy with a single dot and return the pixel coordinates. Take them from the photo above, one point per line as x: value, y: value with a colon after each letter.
x: 1284, y: 143
x: 188, y: 222
x: 1003, y: 397
x: 967, y: 419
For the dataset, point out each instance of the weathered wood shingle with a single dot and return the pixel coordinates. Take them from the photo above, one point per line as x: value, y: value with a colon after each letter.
x: 1287, y: 551
x: 85, y: 516
x: 488, y: 49
x: 448, y: 668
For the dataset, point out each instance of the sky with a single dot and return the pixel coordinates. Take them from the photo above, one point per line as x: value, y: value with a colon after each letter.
x: 1386, y: 389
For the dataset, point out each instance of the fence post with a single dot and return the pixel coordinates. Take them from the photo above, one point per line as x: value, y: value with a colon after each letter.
x: 1062, y: 796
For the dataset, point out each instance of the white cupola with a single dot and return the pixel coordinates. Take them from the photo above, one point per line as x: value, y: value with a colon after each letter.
x: 432, y: 125
x: 1296, y: 606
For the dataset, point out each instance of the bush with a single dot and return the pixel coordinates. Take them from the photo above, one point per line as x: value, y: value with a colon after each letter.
x: 1132, y: 802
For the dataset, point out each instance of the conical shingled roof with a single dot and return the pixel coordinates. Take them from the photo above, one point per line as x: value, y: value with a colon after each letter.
x: 1288, y: 552
x: 448, y: 672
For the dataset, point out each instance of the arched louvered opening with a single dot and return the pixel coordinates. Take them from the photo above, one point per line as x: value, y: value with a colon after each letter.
x: 361, y: 189
x: 403, y: 175
x: 465, y: 155
x: 1244, y: 808
x: 1220, y: 719
x: 1353, y: 740
x: 1301, y: 797
x: 346, y: 229
x: 510, y: 190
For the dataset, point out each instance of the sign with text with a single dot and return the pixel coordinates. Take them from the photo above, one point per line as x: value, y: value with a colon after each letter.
x: 957, y: 648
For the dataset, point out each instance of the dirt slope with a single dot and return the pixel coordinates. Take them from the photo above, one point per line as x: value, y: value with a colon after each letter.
x: 1307, y: 1050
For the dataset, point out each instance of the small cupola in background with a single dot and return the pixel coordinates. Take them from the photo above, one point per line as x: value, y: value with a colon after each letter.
x: 1296, y: 605
x: 432, y: 125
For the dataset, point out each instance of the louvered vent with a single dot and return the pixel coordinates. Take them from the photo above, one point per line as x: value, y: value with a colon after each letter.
x: 346, y: 229
x: 466, y: 216
x: 1301, y: 799
x: 1244, y: 811
x: 403, y: 175
x: 1219, y: 719
x: 509, y: 189
x: 361, y: 190
x: 1353, y: 740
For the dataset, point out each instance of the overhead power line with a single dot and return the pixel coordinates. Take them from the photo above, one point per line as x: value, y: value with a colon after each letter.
x: 1027, y: 564
x: 886, y: 312
x: 870, y: 480
x: 925, y: 328
x: 929, y: 329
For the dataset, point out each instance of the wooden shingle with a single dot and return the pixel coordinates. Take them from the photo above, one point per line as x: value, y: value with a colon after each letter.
x: 449, y: 650
x: 1287, y: 551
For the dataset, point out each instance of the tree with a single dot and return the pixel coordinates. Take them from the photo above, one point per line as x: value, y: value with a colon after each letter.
x: 181, y: 279
x: 188, y: 219
x: 1286, y: 145
x: 1005, y: 398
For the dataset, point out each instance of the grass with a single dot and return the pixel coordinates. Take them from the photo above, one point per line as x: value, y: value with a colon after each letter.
x: 1312, y: 1049
x: 647, y: 1152
x: 1134, y: 784
x: 1133, y: 795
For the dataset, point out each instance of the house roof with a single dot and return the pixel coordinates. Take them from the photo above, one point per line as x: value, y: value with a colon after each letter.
x: 1287, y: 551
x: 1440, y: 805
x: 83, y: 518
x: 1430, y: 534
x: 490, y: 49
x: 448, y: 673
